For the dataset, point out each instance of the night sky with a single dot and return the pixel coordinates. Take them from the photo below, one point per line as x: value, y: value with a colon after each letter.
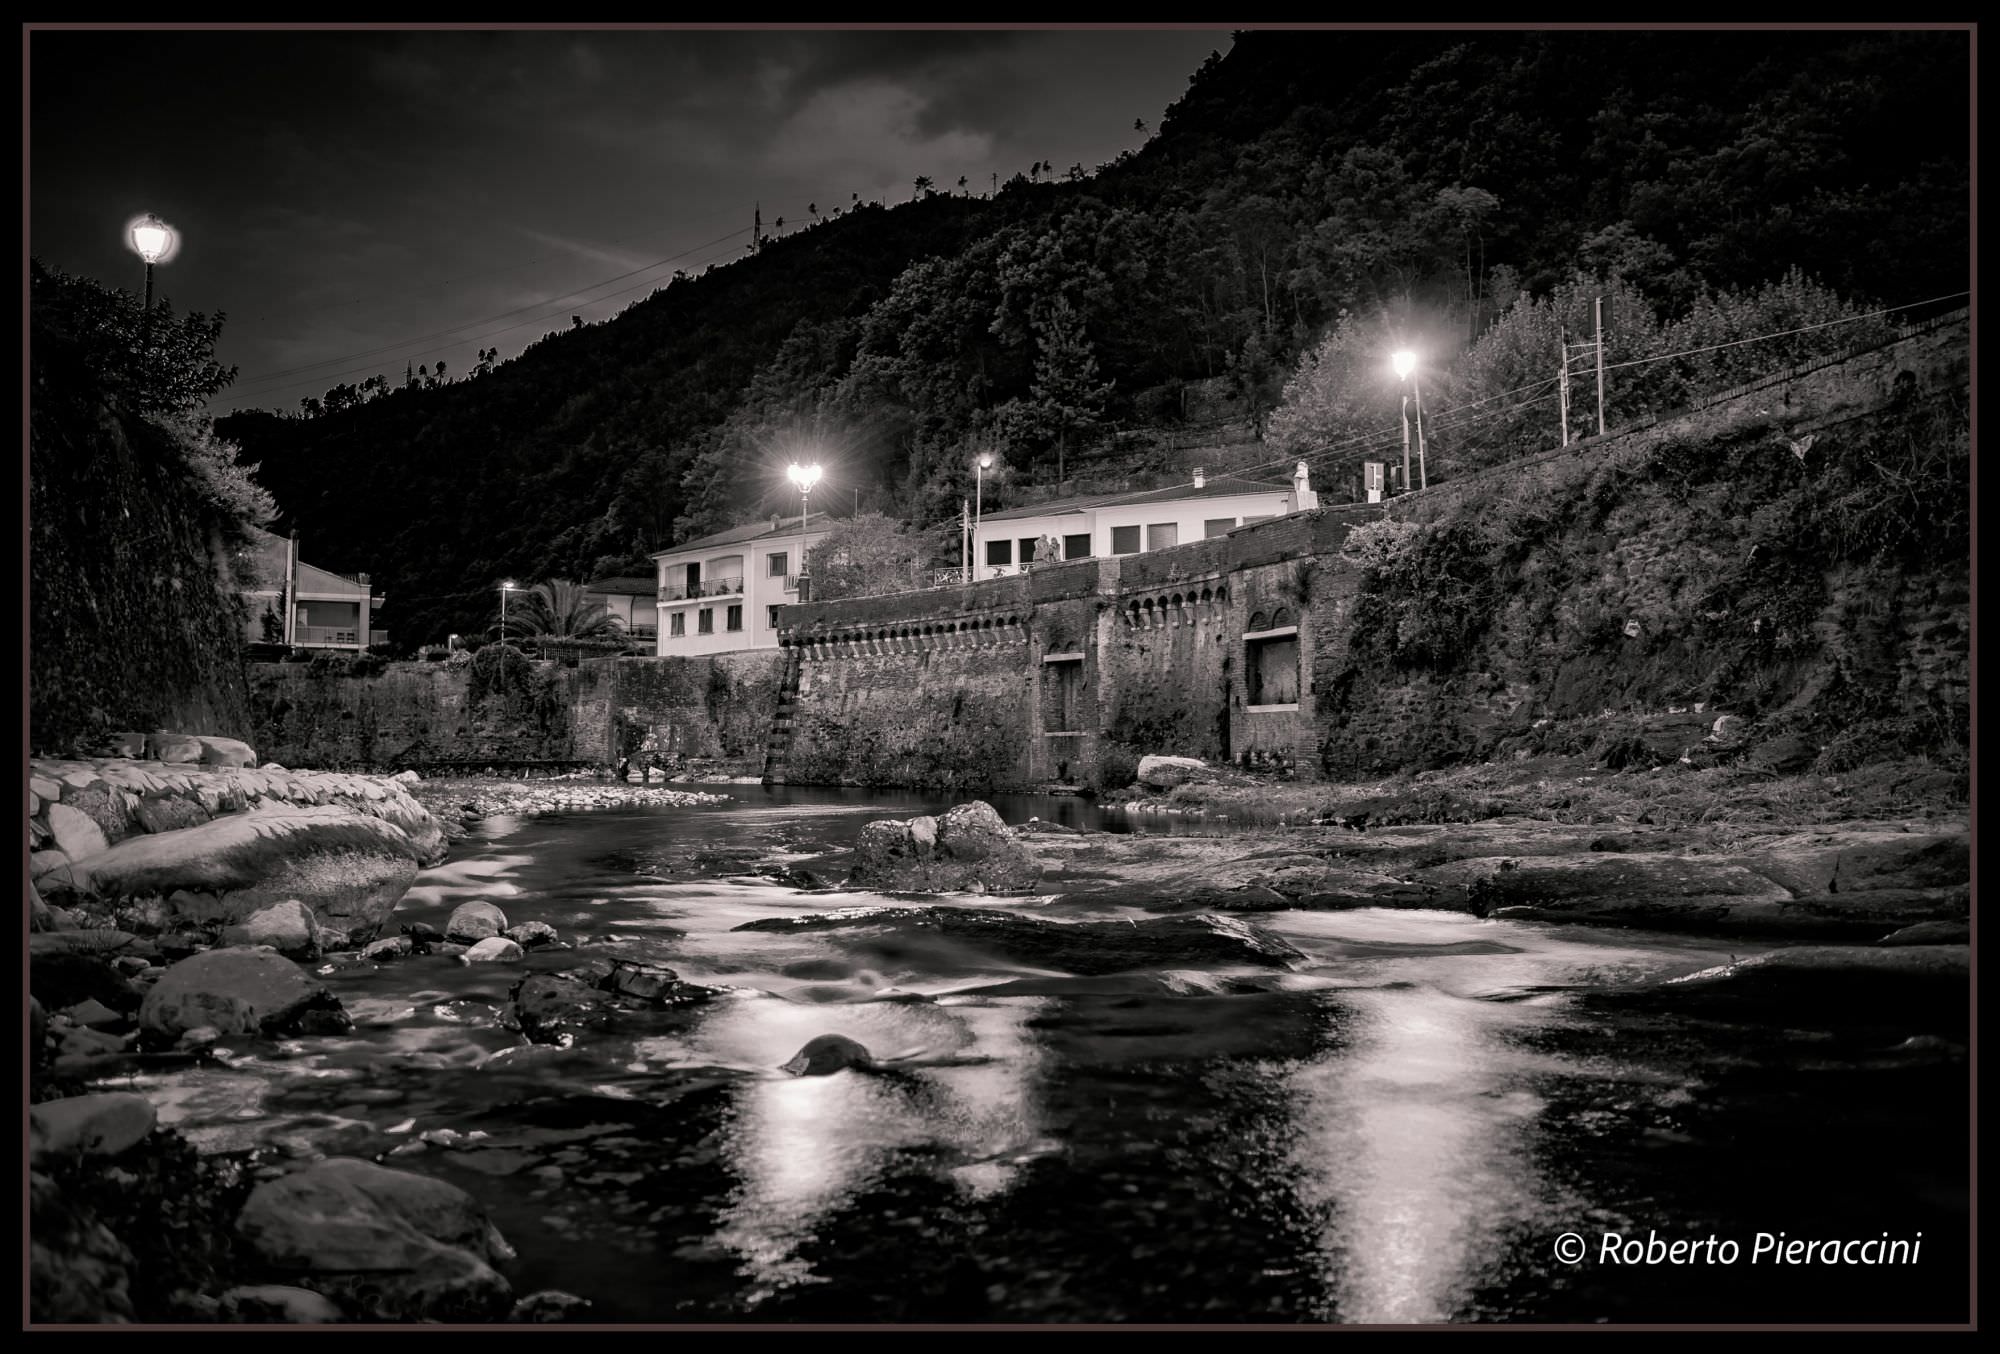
x: 356, y: 201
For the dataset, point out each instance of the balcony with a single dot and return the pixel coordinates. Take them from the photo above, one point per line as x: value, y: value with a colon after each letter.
x: 712, y: 587
x: 334, y: 637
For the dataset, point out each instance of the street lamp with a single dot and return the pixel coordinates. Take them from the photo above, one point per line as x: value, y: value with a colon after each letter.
x: 1405, y: 363
x: 152, y: 240
x: 505, y: 588
x: 980, y: 467
x: 805, y: 476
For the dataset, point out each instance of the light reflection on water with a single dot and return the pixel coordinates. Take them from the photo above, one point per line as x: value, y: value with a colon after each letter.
x: 1409, y: 1127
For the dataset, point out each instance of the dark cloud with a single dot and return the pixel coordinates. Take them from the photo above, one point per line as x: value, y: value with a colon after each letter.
x: 342, y: 192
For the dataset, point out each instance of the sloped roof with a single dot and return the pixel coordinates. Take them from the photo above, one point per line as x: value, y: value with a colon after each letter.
x: 743, y: 535
x: 1217, y: 486
x: 624, y: 587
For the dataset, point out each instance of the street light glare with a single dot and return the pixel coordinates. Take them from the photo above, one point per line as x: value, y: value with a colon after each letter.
x: 508, y: 586
x: 805, y: 476
x: 152, y: 238
x: 1404, y: 362
x: 985, y: 460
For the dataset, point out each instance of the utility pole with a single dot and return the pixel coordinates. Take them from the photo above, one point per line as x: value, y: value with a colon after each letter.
x: 1417, y: 389
x: 1562, y: 383
x: 756, y: 227
x: 965, y: 538
x: 1599, y: 345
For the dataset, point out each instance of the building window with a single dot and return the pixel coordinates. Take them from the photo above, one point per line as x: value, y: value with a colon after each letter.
x: 679, y: 624
x: 999, y: 552
x: 1062, y: 695
x: 1027, y: 550
x: 734, y: 620
x: 705, y: 622
x: 1077, y: 547
x: 1163, y: 535
x: 1124, y: 540
x: 774, y: 616
x: 1217, y: 526
x: 776, y: 564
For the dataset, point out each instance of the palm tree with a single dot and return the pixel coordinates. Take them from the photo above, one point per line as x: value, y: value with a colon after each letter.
x: 561, y: 610
x: 923, y: 186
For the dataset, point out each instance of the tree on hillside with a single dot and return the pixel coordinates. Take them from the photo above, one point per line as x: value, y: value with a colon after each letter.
x: 1067, y: 399
x: 865, y: 556
x: 923, y: 185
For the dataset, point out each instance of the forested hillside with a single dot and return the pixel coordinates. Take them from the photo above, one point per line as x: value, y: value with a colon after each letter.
x: 1310, y: 199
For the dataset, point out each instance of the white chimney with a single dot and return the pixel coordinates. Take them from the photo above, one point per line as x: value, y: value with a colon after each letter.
x: 1198, y: 480
x: 1304, y: 499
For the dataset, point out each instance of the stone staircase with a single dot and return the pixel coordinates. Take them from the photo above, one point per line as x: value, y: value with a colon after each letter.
x: 778, y: 741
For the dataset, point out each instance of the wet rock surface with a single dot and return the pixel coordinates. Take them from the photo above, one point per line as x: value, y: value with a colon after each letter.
x: 967, y: 847
x: 239, y: 991
x: 1074, y: 946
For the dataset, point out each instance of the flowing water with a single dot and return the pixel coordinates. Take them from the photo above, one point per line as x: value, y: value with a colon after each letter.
x: 1398, y: 1130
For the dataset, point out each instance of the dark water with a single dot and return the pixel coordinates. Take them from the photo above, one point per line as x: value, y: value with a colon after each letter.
x: 1398, y: 1131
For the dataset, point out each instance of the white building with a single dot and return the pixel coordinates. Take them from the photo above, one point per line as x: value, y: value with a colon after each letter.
x: 722, y: 592
x: 1130, y: 524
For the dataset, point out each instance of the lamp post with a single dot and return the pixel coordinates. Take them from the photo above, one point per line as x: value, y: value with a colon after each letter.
x: 805, y: 476
x: 1405, y: 363
x: 505, y: 588
x: 152, y: 240
x: 979, y: 469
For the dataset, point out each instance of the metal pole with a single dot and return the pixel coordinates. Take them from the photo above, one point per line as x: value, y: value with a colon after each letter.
x: 1562, y: 384
x: 1600, y: 366
x: 149, y: 285
x: 1423, y: 475
x: 804, y: 493
x: 1406, y: 444
x: 978, y: 493
x: 503, y: 614
x: 965, y: 538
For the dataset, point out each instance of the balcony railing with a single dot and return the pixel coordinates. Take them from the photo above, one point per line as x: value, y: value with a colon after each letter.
x: 708, y: 587
x: 326, y: 637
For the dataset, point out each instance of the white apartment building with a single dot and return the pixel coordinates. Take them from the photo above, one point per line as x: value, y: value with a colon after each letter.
x: 1129, y: 524
x: 722, y: 592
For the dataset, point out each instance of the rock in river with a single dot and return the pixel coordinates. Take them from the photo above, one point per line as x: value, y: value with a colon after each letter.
x: 389, y: 1245
x: 239, y: 992
x: 1085, y: 947
x: 968, y: 847
x: 1860, y: 989
x: 471, y: 923
x: 349, y: 868
x: 88, y: 1125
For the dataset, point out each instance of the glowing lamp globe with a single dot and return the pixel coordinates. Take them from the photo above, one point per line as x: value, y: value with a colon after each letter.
x: 151, y: 238
x: 805, y: 476
x: 1404, y: 362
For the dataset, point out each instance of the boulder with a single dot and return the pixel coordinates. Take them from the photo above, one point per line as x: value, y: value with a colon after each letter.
x: 387, y: 948
x: 386, y: 1244
x: 471, y: 923
x: 1785, y: 754
x: 78, y: 1272
x: 550, y: 1305
x: 166, y: 813
x: 655, y: 983
x: 51, y: 870
x: 61, y: 979
x: 494, y: 950
x: 1841, y: 860
x: 552, y: 1007
x: 275, y: 1303
x: 88, y: 1126
x: 408, y: 778
x: 225, y: 751
x: 1854, y: 989
x: 1088, y: 948
x: 349, y: 868
x: 529, y: 934
x: 129, y: 745
x: 77, y: 834
x: 1164, y: 773
x: 164, y: 746
x: 288, y: 927
x: 971, y: 847
x: 1930, y: 933
x: 239, y: 992
x: 38, y: 1029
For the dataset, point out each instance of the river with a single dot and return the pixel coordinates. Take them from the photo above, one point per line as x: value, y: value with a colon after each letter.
x: 1397, y: 1131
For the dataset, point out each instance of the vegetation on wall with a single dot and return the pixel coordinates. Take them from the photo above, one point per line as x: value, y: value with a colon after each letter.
x: 137, y: 517
x: 1793, y: 570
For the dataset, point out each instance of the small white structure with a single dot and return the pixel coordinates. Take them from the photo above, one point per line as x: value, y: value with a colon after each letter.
x: 722, y: 593
x: 1130, y: 524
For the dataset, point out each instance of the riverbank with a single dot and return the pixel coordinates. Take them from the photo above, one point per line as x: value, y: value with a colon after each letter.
x: 462, y: 801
